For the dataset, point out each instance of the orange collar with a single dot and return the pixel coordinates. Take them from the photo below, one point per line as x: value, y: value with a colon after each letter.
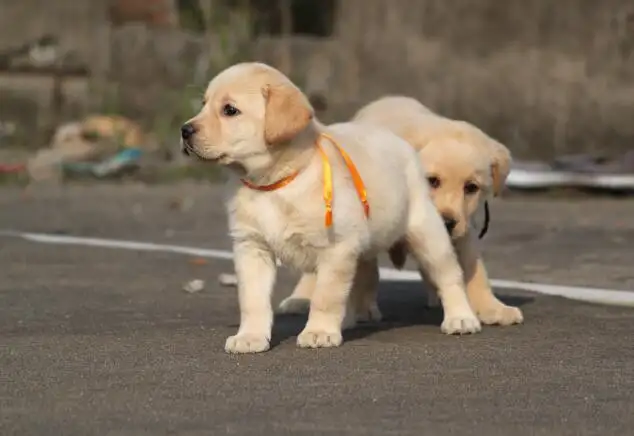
x: 273, y: 186
x: 328, y: 185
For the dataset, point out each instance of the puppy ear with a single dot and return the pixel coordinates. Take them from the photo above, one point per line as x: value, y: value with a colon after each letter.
x: 499, y: 155
x: 500, y: 164
x: 288, y: 112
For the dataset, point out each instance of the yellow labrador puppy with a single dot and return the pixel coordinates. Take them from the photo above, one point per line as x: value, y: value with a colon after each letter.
x: 464, y: 167
x: 309, y: 195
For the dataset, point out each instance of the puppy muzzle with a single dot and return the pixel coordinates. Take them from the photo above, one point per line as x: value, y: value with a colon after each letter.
x: 185, y: 150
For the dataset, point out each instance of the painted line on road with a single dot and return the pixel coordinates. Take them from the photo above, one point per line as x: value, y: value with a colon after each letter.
x: 593, y: 295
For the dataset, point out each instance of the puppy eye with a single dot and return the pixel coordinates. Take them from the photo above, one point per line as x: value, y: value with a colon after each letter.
x: 434, y: 182
x: 471, y: 188
x: 230, y: 111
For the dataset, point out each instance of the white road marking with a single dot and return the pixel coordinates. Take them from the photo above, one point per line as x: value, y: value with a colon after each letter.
x: 593, y: 295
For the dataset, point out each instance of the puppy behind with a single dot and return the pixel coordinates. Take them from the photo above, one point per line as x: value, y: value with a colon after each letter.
x: 257, y: 123
x: 464, y: 167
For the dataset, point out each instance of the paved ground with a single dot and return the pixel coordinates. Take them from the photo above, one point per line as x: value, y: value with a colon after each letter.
x: 104, y: 342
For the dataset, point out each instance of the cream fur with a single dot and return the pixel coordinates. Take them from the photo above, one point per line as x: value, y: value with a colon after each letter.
x: 455, y: 153
x: 288, y: 223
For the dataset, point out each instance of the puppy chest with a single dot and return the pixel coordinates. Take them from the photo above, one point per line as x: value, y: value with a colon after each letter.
x: 293, y: 233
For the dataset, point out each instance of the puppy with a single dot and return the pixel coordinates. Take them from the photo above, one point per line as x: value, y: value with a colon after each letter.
x: 300, y: 200
x: 464, y: 167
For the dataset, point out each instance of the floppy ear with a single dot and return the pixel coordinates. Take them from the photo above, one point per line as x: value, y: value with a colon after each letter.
x: 288, y: 112
x: 500, y: 164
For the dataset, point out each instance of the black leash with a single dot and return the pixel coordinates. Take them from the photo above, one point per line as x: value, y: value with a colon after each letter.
x: 487, y: 218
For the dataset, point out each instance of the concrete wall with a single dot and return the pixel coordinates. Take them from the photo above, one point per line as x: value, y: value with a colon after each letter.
x: 544, y: 77
x: 82, y: 30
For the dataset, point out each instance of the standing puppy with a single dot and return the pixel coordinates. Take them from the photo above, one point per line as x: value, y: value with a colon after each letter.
x: 464, y: 167
x: 301, y: 200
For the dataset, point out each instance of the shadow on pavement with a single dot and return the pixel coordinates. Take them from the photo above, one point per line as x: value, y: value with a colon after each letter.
x: 402, y: 304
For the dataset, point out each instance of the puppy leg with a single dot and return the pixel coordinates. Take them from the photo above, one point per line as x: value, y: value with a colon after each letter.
x: 432, y: 248
x: 365, y: 291
x: 487, y: 307
x: 363, y: 294
x: 255, y: 268
x: 299, y: 301
x: 328, y: 305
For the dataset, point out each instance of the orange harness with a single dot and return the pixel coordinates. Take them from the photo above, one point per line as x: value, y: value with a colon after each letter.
x: 328, y: 185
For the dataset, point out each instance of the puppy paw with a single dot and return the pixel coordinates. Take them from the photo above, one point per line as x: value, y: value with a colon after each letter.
x: 294, y: 306
x: 502, y: 315
x: 460, y: 324
x: 319, y: 339
x: 371, y: 314
x: 247, y: 343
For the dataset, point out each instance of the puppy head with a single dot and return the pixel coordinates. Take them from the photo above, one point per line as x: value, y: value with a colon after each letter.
x: 463, y: 167
x: 249, y: 112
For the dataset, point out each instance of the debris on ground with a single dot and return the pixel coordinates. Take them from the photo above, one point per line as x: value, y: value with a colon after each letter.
x: 194, y: 286
x: 98, y: 145
x: 199, y: 261
x: 128, y: 133
x: 103, y: 147
x: 228, y: 279
x: 124, y: 160
x: 67, y: 146
x: 11, y: 168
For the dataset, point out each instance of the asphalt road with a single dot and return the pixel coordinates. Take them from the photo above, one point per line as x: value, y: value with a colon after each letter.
x: 98, y: 341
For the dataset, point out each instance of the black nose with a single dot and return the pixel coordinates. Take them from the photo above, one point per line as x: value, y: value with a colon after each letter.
x: 450, y: 223
x: 187, y: 131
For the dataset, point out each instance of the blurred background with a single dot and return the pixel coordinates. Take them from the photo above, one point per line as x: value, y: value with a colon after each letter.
x: 546, y: 78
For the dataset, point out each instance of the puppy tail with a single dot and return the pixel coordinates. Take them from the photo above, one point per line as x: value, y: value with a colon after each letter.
x: 398, y: 254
